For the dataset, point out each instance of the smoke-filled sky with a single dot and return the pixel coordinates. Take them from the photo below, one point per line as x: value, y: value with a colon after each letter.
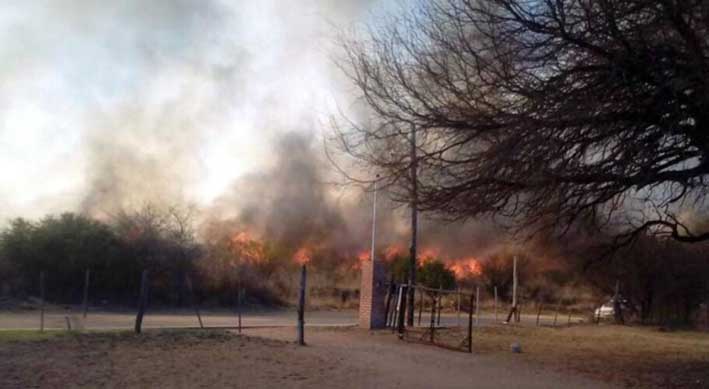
x: 111, y: 103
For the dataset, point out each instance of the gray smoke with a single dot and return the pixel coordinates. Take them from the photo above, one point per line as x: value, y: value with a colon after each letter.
x: 240, y: 63
x: 293, y: 204
x: 180, y: 101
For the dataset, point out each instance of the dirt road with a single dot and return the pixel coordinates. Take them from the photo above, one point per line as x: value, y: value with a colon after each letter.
x: 379, y: 360
x: 334, y: 358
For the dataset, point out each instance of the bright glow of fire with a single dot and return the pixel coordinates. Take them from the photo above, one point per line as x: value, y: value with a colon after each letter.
x: 363, y: 256
x: 303, y: 255
x: 429, y: 254
x: 242, y: 237
x: 465, y: 267
x: 247, y: 247
x: 393, y: 251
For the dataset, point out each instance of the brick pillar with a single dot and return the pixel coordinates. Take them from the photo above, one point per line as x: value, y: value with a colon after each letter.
x: 371, y: 295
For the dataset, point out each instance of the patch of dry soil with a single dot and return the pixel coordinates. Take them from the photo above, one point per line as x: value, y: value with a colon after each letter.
x: 264, y: 358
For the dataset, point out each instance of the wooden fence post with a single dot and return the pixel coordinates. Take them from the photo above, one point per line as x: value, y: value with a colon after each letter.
x: 433, y: 316
x: 142, y: 301
x: 470, y: 324
x: 440, y: 303
x: 239, y: 294
x: 420, y: 305
x: 41, y: 300
x: 87, y: 278
x: 495, y: 290
x: 301, y: 307
x: 556, y: 312
x: 477, y: 305
x: 539, y: 311
x: 457, y: 309
x: 518, y: 313
x: 193, y: 300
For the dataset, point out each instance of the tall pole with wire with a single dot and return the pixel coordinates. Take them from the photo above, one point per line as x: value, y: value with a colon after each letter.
x: 414, y: 229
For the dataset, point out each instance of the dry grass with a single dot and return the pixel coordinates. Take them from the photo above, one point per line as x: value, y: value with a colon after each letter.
x: 154, y: 359
x: 640, y: 357
x: 28, y: 335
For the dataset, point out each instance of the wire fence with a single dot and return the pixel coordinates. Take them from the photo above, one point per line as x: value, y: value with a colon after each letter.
x: 448, y: 318
x: 85, y: 314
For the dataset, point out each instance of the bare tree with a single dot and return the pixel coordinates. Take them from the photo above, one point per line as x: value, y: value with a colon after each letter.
x: 541, y: 112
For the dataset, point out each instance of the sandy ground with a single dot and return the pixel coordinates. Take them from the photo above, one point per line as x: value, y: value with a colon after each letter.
x: 261, y: 358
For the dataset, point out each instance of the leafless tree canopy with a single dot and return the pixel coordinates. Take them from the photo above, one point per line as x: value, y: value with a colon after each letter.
x: 541, y: 111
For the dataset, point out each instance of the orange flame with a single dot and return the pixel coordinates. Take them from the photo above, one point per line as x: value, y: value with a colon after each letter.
x: 303, y: 255
x: 428, y: 254
x: 465, y: 267
x: 363, y: 256
x: 393, y: 251
x: 242, y: 237
x: 248, y: 248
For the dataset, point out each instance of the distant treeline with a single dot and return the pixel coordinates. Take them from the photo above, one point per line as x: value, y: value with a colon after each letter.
x: 116, y: 253
x: 161, y: 241
x: 662, y: 281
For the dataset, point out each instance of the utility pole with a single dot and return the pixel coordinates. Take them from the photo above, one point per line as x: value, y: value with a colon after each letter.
x: 374, y: 219
x: 414, y: 229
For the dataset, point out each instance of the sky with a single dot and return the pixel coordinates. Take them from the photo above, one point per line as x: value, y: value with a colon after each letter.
x: 108, y: 102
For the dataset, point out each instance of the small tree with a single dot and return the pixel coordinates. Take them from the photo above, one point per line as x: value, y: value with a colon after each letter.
x: 435, y: 274
x: 432, y: 273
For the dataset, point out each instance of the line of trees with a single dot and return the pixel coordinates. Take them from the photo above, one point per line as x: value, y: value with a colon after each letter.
x: 659, y: 281
x: 163, y: 241
x: 663, y: 281
x: 116, y: 253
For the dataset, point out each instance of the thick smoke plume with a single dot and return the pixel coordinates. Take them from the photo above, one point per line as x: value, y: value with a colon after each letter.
x: 211, y: 103
x: 288, y: 202
x: 294, y: 204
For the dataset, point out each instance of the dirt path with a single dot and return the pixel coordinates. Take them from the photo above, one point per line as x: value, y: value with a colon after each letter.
x: 379, y: 360
x: 264, y: 358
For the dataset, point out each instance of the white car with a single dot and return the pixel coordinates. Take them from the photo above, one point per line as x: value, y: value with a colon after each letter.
x: 605, y: 310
